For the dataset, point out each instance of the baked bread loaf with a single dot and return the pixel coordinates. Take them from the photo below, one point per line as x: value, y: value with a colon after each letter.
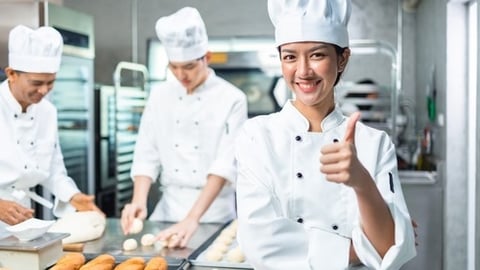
x: 101, y: 262
x: 69, y: 261
x: 157, y: 263
x: 134, y: 263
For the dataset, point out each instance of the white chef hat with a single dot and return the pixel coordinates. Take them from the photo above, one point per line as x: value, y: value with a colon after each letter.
x: 183, y: 34
x: 38, y: 51
x: 310, y: 20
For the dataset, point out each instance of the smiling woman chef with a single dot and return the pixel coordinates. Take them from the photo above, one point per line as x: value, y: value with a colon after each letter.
x: 317, y: 190
x: 30, y: 153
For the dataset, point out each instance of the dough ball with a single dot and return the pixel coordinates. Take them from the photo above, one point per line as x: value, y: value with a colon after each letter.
x: 130, y: 244
x: 236, y: 255
x: 229, y: 232
x: 160, y: 244
x: 224, y: 239
x: 233, y: 225
x: 137, y: 226
x: 147, y: 239
x: 221, y: 247
x: 214, y: 255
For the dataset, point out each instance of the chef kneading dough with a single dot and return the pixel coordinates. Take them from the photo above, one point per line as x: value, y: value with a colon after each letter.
x: 130, y: 244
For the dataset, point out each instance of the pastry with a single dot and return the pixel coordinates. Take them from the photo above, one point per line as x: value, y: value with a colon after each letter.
x: 101, y: 262
x: 69, y: 261
x: 157, y: 263
x: 134, y: 263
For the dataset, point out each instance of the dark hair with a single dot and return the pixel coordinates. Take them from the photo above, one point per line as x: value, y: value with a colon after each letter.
x: 339, y: 50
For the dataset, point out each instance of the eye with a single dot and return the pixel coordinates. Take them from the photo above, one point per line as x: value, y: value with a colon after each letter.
x: 288, y: 57
x: 318, y: 55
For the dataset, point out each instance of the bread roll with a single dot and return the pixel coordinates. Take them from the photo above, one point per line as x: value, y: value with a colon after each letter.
x: 134, y: 263
x: 69, y: 261
x: 101, y: 262
x: 157, y: 263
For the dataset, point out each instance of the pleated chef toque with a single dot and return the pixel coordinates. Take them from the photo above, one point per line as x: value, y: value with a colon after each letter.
x: 183, y: 34
x: 310, y: 20
x: 37, y: 51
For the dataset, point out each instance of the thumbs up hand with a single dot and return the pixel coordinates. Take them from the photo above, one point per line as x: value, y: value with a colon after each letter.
x: 339, y: 160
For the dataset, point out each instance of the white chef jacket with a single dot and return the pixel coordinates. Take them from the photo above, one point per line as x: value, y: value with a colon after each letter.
x: 30, y: 153
x: 186, y: 137
x: 290, y: 216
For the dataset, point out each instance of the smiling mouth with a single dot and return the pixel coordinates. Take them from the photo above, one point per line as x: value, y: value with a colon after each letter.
x: 308, y: 86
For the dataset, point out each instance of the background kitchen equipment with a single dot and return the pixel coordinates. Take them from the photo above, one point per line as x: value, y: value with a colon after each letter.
x: 119, y: 110
x: 73, y: 90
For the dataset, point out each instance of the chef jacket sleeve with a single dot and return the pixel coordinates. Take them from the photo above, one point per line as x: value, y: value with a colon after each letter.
x: 60, y: 184
x: 146, y: 157
x: 389, y: 186
x: 224, y: 164
x: 269, y: 240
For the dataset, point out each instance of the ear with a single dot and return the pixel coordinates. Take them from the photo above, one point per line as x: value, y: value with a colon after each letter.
x: 11, y: 74
x: 208, y: 56
x: 343, y: 60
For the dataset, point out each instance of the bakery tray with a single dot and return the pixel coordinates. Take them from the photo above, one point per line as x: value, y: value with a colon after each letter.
x: 198, y: 257
x: 173, y: 263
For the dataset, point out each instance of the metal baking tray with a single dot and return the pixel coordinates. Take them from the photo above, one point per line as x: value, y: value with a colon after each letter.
x: 198, y: 257
x: 173, y: 263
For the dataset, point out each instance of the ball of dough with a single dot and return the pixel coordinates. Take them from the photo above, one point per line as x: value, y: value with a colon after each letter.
x: 130, y: 244
x: 147, y: 239
x: 221, y: 247
x: 137, y: 226
x: 225, y: 239
x: 214, y: 255
x: 229, y: 232
x: 236, y: 255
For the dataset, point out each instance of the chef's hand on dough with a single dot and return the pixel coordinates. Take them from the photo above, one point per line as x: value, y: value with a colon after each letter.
x: 83, y: 202
x: 129, y: 213
x: 179, y: 234
x: 339, y: 160
x: 13, y: 213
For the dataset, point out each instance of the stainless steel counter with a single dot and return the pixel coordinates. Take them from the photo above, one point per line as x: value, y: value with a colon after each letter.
x: 112, y: 241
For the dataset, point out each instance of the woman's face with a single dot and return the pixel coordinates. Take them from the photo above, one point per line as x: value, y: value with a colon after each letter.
x: 310, y: 70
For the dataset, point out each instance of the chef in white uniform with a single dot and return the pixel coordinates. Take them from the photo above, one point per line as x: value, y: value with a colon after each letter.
x: 318, y: 190
x: 30, y: 154
x: 186, y: 136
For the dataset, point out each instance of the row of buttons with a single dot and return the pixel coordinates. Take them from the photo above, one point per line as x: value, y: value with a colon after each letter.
x: 334, y: 226
x: 16, y: 116
x: 298, y: 138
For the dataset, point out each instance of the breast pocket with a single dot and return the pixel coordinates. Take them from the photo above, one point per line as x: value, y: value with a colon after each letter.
x: 44, y: 152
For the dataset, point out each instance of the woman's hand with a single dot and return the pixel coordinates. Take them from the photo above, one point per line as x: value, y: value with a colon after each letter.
x: 83, y: 202
x: 179, y: 234
x: 13, y: 213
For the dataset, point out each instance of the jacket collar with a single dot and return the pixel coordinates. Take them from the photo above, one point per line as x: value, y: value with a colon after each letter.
x: 299, y: 122
x: 12, y: 103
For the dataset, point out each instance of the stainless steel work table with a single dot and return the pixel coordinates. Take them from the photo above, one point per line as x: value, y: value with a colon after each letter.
x: 112, y: 240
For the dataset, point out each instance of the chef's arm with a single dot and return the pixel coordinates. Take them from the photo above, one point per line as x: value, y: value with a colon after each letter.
x: 376, y: 219
x: 209, y: 193
x: 137, y: 208
x: 180, y: 233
